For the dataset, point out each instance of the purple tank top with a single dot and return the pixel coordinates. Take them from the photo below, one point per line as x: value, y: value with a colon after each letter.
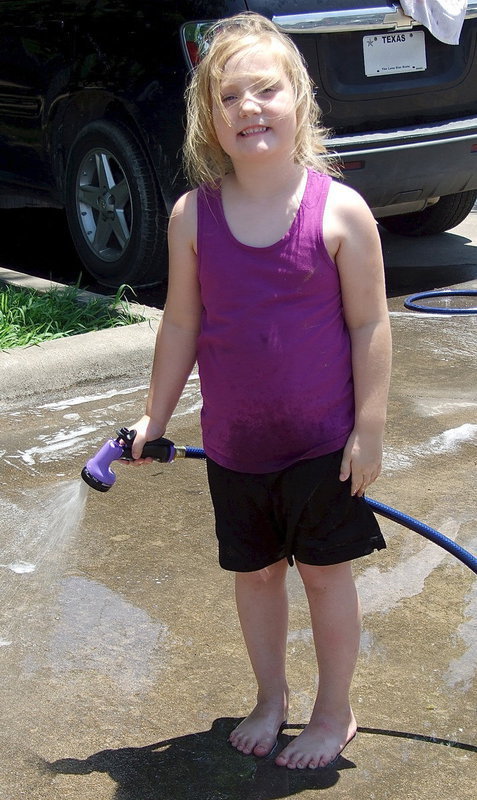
x: 273, y: 351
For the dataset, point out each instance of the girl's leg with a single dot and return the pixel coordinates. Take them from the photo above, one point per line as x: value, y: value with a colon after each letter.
x: 262, y: 605
x: 336, y: 622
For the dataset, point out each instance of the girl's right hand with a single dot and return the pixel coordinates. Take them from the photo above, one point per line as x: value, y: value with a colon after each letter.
x: 146, y: 431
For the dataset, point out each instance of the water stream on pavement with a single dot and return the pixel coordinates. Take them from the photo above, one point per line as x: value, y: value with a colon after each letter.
x: 38, y: 537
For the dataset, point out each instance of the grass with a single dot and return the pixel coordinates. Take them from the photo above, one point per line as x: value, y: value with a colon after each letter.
x: 28, y: 317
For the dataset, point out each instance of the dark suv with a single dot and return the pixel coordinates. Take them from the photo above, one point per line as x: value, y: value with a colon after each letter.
x: 91, y: 114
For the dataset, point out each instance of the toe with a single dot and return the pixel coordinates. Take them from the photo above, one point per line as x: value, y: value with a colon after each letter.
x: 282, y: 759
x: 287, y: 758
x: 297, y: 760
x: 239, y: 742
x: 263, y: 748
x: 330, y: 763
x: 290, y: 760
x: 245, y: 746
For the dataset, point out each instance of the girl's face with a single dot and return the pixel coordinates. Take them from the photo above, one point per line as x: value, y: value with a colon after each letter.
x: 257, y: 118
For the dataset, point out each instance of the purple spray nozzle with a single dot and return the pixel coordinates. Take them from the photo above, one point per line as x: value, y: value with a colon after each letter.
x: 98, y: 473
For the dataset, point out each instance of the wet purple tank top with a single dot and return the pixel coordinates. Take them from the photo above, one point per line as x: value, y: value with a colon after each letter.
x: 273, y: 351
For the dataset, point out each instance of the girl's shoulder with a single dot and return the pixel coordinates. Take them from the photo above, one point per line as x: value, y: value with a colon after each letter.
x: 339, y: 194
x: 183, y: 217
x: 185, y: 202
x: 185, y: 208
x: 347, y: 217
x: 344, y: 199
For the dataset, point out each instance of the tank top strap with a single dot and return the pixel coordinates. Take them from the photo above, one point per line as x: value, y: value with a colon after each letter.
x: 209, y: 214
x: 314, y: 201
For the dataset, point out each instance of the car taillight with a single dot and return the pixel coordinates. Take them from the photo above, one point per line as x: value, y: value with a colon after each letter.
x: 193, y: 41
x: 350, y: 165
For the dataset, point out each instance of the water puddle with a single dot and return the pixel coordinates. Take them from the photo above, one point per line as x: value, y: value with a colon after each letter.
x: 462, y: 670
x: 447, y: 442
x: 382, y: 590
x: 66, y: 433
x: 133, y: 646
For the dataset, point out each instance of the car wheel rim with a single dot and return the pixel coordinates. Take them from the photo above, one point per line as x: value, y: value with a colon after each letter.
x: 103, y: 200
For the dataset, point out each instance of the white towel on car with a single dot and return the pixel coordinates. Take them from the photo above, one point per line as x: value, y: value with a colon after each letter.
x: 444, y: 18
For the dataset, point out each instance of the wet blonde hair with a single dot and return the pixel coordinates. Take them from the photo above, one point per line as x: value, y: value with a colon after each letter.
x: 204, y: 159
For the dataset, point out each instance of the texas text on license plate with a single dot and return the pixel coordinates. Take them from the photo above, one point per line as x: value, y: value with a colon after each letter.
x: 391, y: 53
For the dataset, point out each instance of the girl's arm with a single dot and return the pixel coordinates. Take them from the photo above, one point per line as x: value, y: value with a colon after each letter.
x: 176, y: 342
x: 353, y: 241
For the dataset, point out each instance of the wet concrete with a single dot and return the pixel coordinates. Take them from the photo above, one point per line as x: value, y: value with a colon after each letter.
x: 122, y: 666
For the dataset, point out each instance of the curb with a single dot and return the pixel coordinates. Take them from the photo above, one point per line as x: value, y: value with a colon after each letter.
x: 32, y: 374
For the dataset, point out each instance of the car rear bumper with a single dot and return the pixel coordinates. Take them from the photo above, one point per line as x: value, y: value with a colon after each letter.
x: 409, y: 167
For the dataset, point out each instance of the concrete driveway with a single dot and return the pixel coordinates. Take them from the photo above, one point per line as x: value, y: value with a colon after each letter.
x: 122, y: 667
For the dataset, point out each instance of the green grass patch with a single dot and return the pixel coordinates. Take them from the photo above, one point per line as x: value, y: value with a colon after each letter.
x: 28, y: 317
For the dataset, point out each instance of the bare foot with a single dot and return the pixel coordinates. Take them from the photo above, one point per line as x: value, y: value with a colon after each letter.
x: 258, y: 732
x: 318, y: 745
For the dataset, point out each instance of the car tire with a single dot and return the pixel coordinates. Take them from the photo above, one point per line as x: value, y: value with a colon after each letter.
x: 448, y: 212
x: 116, y: 216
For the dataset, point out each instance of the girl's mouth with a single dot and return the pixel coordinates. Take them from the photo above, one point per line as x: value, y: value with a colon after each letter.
x: 254, y: 130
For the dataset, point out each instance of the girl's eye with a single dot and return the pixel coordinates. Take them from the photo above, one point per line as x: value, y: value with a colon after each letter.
x: 228, y: 99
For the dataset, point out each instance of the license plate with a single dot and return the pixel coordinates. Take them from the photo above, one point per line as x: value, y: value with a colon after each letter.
x: 392, y: 53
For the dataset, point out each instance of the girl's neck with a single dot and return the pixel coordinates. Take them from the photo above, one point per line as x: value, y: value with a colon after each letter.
x: 258, y: 181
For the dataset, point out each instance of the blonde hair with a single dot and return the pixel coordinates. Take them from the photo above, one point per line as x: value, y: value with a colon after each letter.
x: 204, y: 159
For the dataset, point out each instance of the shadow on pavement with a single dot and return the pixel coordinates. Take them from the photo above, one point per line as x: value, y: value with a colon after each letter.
x: 427, y: 278
x: 204, y: 765
x: 420, y: 737
x: 431, y: 262
x: 37, y: 242
x: 199, y: 765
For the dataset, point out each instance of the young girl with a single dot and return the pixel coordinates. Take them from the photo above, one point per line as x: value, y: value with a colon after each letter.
x: 276, y: 288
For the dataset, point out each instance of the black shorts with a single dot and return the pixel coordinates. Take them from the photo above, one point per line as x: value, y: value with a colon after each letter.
x: 303, y: 511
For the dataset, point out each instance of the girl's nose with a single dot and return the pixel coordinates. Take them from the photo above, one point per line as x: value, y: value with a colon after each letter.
x: 249, y: 105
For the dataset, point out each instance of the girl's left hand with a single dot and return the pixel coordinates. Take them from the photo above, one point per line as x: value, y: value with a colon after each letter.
x: 362, y: 457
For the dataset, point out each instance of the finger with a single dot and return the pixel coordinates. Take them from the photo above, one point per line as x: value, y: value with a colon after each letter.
x: 345, y: 468
x: 138, y: 461
x: 136, y: 451
x: 358, y: 485
x: 359, y: 488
